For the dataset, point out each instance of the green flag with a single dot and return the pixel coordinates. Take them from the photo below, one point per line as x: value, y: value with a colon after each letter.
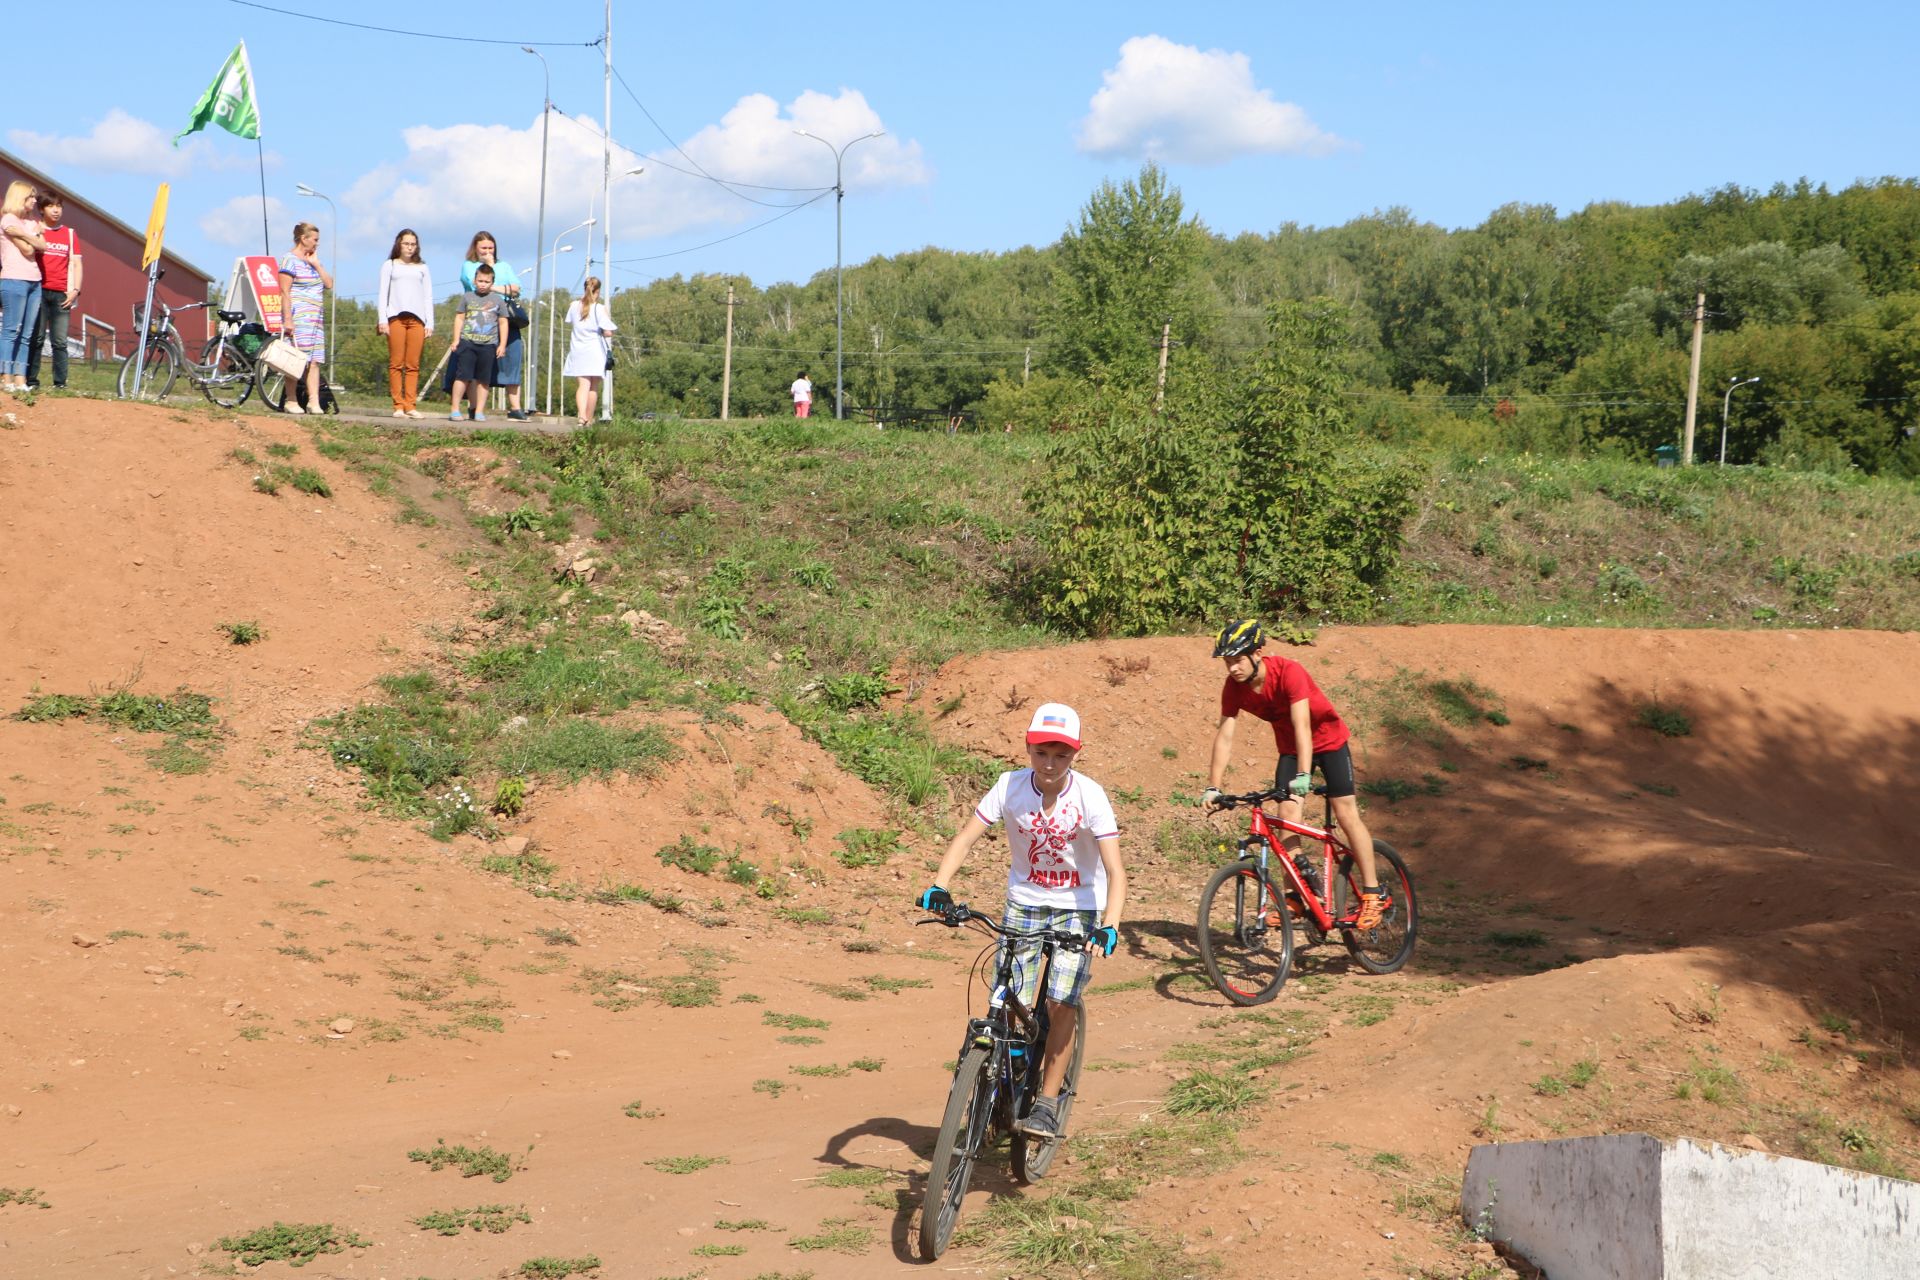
x: 228, y: 101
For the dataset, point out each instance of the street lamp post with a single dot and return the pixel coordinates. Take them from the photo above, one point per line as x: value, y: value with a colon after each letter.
x: 1726, y: 402
x: 540, y: 231
x: 839, y: 335
x: 333, y: 234
x: 606, y: 282
x: 555, y: 255
x: 551, y: 325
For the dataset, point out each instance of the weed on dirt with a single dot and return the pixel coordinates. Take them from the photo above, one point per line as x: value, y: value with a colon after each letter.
x: 297, y: 1243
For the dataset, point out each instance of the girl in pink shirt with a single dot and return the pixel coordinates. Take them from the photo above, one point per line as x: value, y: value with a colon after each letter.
x: 20, y: 248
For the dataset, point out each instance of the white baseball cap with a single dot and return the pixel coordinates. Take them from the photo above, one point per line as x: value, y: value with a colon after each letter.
x: 1055, y: 722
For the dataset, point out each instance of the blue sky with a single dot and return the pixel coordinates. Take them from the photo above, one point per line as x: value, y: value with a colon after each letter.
x: 999, y: 119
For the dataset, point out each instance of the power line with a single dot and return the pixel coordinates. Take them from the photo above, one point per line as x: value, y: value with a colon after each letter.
x: 790, y: 211
x: 702, y: 172
x: 417, y: 35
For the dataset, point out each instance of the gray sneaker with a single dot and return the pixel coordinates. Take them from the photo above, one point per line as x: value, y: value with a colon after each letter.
x: 1041, y: 1122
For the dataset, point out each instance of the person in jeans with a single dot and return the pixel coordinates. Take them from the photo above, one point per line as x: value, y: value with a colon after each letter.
x: 481, y: 251
x: 406, y: 319
x: 59, y: 286
x: 20, y: 249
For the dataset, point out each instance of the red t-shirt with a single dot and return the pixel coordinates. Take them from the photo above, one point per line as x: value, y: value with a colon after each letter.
x: 62, y: 245
x: 1283, y: 683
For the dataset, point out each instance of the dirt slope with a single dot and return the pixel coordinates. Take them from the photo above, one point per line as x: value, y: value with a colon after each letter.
x: 180, y: 948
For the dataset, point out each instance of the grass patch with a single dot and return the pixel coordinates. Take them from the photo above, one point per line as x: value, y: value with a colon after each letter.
x: 490, y: 1218
x: 1668, y: 721
x: 27, y: 1197
x: 472, y: 1162
x: 550, y: 1268
x: 1214, y: 1093
x: 1515, y: 939
x: 837, y: 1235
x: 864, y: 847
x: 854, y: 1177
x: 681, y: 1165
x: 185, y: 717
x: 297, y: 1243
x: 793, y: 1021
x: 637, y: 1110
x: 1709, y: 1082
x: 242, y: 632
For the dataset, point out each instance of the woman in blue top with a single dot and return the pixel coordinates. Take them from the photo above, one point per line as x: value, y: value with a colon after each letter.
x: 303, y: 283
x: 507, y: 281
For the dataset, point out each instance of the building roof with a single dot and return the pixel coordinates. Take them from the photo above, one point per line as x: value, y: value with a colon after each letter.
x: 73, y: 197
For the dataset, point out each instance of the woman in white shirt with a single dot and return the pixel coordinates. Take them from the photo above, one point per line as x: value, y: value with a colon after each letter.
x: 590, y: 353
x: 406, y: 319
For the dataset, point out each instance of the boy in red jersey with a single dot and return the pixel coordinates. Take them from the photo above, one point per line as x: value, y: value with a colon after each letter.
x: 1308, y: 732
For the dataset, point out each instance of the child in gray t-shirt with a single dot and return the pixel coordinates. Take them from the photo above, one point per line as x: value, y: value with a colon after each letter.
x: 479, y: 319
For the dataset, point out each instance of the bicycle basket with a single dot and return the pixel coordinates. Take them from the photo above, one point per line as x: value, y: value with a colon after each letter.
x: 158, y: 325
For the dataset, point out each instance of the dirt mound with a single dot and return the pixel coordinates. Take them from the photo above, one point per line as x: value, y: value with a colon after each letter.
x: 240, y: 997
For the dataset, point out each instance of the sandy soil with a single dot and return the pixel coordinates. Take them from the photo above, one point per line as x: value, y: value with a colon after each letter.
x: 239, y: 997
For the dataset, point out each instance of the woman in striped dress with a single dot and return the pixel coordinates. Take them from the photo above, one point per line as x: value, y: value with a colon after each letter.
x: 303, y: 284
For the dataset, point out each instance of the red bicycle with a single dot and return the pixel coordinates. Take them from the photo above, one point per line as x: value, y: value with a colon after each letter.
x: 1248, y: 908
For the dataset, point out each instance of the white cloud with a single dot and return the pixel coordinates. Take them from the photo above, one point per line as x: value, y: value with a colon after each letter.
x: 236, y: 224
x: 459, y: 179
x: 1167, y: 101
x: 124, y: 143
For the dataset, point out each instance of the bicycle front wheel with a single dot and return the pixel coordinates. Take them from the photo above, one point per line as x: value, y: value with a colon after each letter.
x: 963, y: 1131
x: 229, y: 374
x: 156, y: 377
x: 1245, y: 933
x: 1032, y: 1157
x: 1390, y: 946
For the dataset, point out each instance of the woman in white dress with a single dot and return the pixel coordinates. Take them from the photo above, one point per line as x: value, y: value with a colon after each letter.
x: 589, y: 354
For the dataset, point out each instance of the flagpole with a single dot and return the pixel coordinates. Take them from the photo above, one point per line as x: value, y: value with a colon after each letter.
x: 266, y: 236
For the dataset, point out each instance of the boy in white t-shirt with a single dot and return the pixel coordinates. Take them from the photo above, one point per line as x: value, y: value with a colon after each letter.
x: 1065, y: 874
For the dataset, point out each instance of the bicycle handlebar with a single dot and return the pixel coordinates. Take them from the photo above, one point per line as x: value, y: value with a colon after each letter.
x: 1225, y: 801
x: 961, y: 914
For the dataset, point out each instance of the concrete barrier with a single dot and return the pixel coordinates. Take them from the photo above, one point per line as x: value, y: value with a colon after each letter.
x: 1631, y: 1207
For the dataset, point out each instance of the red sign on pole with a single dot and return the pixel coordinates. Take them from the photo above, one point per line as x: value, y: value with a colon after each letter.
x: 263, y: 280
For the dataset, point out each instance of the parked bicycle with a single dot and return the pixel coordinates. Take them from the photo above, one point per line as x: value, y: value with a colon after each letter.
x: 224, y: 372
x: 997, y: 1078
x: 1248, y: 908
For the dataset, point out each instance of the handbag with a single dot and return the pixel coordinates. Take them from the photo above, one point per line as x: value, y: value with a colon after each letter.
x: 283, y: 357
x: 609, y: 356
x: 517, y: 316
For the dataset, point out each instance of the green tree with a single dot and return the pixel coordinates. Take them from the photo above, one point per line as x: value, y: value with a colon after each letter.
x: 1128, y: 267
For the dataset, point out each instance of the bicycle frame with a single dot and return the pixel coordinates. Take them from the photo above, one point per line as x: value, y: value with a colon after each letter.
x: 1011, y: 1029
x: 1262, y: 826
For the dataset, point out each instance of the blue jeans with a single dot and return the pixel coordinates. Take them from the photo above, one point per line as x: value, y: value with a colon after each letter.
x: 19, y: 308
x: 52, y: 324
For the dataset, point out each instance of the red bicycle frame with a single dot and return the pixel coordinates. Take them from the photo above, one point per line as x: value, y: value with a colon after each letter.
x: 1263, y: 825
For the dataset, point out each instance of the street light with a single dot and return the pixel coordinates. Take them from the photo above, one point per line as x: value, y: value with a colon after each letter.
x: 333, y: 233
x: 839, y: 197
x: 1726, y: 402
x: 548, y: 304
x: 606, y: 285
x: 540, y: 231
x: 555, y: 255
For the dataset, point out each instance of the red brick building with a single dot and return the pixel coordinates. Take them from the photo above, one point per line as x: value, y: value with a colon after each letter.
x: 114, y: 282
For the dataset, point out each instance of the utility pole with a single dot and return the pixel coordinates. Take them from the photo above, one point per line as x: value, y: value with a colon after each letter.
x: 726, y: 365
x: 1693, y: 379
x: 606, y: 192
x: 1160, y: 390
x: 1026, y: 366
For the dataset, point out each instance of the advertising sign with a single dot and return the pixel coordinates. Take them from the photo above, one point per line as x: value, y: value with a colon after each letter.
x: 263, y: 289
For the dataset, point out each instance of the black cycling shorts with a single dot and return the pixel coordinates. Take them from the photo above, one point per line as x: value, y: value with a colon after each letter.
x: 1335, y: 767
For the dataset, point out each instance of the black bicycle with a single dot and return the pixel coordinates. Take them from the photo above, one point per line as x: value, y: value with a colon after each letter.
x: 997, y: 1078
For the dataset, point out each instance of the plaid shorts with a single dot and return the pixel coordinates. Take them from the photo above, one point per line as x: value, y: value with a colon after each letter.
x: 1068, y: 977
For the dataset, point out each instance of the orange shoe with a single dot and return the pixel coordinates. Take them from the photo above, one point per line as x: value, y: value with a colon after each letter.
x: 1373, y: 906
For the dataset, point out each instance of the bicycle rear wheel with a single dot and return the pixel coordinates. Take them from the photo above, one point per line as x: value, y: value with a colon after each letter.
x: 156, y: 379
x: 963, y: 1131
x: 1390, y: 946
x: 1245, y: 933
x: 1032, y: 1157
x: 230, y: 379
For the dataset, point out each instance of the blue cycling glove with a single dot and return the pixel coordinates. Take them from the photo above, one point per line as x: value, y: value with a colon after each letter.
x: 1106, y: 937
x: 933, y: 899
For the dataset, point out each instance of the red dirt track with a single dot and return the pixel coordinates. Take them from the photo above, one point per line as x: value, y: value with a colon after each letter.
x: 178, y: 947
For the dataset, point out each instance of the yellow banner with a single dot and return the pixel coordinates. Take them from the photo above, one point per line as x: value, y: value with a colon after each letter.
x: 156, y: 228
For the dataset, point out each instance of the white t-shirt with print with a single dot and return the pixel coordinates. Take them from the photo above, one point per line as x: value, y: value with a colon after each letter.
x: 1056, y: 856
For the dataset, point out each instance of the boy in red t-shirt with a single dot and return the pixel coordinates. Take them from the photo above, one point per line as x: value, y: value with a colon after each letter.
x: 1308, y: 732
